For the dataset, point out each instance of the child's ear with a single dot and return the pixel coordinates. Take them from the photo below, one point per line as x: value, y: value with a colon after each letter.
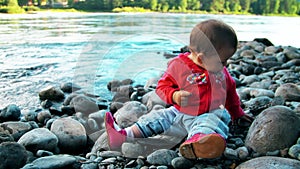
x: 200, y: 57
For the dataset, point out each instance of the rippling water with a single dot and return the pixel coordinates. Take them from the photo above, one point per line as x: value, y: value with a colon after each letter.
x: 37, y: 50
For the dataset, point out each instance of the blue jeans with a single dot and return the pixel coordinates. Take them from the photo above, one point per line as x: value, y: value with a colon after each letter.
x: 172, y: 122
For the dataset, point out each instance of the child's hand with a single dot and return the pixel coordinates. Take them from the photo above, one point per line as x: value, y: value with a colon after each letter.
x: 181, y: 97
x: 244, y: 121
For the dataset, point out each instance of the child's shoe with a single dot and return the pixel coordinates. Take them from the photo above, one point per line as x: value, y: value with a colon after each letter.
x: 115, y: 137
x: 203, y: 146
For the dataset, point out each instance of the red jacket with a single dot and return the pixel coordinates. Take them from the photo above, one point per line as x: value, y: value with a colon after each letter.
x: 208, y: 90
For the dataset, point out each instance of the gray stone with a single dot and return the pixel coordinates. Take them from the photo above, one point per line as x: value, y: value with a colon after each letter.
x: 291, y: 53
x: 16, y: 129
x: 288, y: 91
x: 270, y: 50
x: 69, y: 87
x: 273, y: 129
x: 270, y: 163
x: 132, y: 150
x: 43, y: 116
x: 181, y: 163
x: 250, y: 79
x: 84, y: 104
x: 89, y: 166
x: 39, y: 139
x: 101, y: 143
x: 162, y: 157
x: 29, y: 115
x: 55, y: 161
x: 258, y: 104
x: 51, y: 93
x: 264, y: 84
x: 130, y: 113
x: 113, y: 85
x: 151, y: 99
x: 70, y: 133
x: 294, y: 151
x: 109, y: 154
x: 12, y: 155
x: 242, y: 152
x: 231, y: 154
x: 43, y: 153
x: 10, y: 113
x: 261, y: 92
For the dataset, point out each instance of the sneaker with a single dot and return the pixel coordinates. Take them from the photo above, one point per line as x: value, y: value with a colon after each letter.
x: 203, y: 146
x: 115, y: 137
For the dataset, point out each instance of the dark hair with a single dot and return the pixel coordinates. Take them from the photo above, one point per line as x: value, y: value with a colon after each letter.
x: 211, y: 34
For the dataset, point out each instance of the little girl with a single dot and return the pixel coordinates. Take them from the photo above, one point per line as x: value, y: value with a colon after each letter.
x: 202, y: 92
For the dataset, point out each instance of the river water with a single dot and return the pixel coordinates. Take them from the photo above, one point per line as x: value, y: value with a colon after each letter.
x: 90, y: 49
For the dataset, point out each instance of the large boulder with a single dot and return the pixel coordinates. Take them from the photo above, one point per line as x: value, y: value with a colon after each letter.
x: 70, y: 133
x: 275, y: 128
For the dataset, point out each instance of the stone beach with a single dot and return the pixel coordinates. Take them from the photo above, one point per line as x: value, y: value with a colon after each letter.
x: 66, y: 130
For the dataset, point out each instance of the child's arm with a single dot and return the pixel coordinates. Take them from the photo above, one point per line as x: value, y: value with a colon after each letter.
x: 166, y: 87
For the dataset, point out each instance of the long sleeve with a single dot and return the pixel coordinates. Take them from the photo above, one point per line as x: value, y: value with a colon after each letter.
x: 233, y: 104
x: 166, y: 87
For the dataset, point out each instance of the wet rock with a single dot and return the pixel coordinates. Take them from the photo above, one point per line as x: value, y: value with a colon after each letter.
x: 270, y: 162
x: 12, y: 155
x: 52, y: 93
x: 275, y: 128
x: 181, y: 163
x: 162, y: 157
x: 10, y: 113
x: 55, y: 161
x: 84, y: 104
x: 288, y: 91
x: 69, y: 87
x: 70, y: 133
x: 39, y: 139
x: 130, y: 113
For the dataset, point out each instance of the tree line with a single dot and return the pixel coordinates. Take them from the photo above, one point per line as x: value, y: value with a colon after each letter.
x: 260, y: 7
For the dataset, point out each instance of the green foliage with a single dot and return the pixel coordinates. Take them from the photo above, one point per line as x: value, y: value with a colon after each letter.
x: 11, y: 9
x: 130, y: 9
x: 31, y: 8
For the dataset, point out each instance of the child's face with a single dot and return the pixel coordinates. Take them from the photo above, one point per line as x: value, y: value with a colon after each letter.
x: 215, y: 61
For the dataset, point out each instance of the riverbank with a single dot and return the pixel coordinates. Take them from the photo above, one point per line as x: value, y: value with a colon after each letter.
x: 66, y: 129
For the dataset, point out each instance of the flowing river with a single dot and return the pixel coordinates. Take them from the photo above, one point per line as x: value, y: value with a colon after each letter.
x: 90, y: 49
